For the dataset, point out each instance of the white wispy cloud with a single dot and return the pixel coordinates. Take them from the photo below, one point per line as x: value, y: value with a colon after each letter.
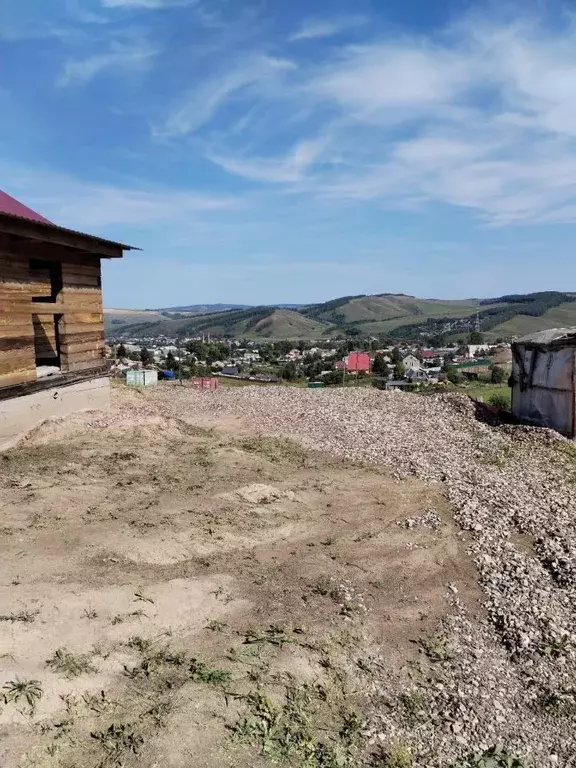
x: 483, y: 118
x: 88, y: 206
x: 289, y: 169
x: 199, y: 105
x: 117, y: 59
x: 313, y: 29
x: 151, y: 4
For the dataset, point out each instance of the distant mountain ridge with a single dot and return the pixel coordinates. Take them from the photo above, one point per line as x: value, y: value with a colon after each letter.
x: 398, y: 316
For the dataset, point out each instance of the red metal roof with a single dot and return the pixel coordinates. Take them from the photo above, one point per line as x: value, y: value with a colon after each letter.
x: 13, y: 207
x: 358, y: 361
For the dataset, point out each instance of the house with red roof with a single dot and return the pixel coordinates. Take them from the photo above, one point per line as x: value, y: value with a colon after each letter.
x: 52, y: 358
x: 357, y: 362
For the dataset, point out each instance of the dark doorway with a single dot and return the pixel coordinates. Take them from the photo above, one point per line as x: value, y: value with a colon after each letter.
x: 46, y: 344
x: 47, y: 277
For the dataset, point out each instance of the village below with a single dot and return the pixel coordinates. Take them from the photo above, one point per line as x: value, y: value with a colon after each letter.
x: 468, y: 365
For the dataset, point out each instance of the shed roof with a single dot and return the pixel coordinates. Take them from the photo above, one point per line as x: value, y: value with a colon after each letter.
x: 555, y: 336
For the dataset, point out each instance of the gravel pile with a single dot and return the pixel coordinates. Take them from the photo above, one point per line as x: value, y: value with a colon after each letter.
x: 514, y: 679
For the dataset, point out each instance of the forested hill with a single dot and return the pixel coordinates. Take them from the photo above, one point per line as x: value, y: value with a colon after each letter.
x: 398, y: 316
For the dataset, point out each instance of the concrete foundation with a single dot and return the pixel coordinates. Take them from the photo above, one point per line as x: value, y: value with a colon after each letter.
x: 19, y: 415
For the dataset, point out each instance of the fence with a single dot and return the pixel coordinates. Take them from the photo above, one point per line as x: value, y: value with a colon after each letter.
x: 207, y: 382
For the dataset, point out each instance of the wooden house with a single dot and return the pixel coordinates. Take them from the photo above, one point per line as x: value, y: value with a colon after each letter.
x: 51, y: 316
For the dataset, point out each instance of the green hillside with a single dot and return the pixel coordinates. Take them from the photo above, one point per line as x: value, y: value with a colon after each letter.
x: 395, y: 315
x: 116, y: 319
x: 562, y: 316
x: 257, y: 322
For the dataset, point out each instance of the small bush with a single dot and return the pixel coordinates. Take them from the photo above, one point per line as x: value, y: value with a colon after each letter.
x: 396, y: 755
x: 494, y: 757
x: 499, y: 401
x: 69, y: 664
x: 28, y: 690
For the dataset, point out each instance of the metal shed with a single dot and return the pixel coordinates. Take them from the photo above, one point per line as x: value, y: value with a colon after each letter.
x: 544, y: 379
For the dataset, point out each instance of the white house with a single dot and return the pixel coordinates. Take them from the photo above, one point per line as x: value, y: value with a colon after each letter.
x: 411, y: 361
x: 473, y: 349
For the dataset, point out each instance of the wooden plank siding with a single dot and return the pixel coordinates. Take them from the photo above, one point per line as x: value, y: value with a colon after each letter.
x: 45, y: 336
x: 32, y: 329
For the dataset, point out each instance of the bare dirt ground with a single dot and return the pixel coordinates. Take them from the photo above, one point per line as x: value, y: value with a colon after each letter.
x: 287, y: 577
x: 178, y: 595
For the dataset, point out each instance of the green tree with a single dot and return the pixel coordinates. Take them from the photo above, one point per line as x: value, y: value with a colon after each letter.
x: 399, y: 370
x: 453, y: 374
x: 120, y: 350
x: 396, y: 356
x: 196, y: 348
x: 334, y: 378
x: 145, y: 356
x: 497, y: 375
x: 289, y: 372
x: 475, y: 338
x: 379, y: 366
x: 170, y: 362
x: 281, y: 348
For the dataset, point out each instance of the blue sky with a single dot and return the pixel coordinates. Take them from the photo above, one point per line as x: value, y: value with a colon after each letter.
x: 264, y: 151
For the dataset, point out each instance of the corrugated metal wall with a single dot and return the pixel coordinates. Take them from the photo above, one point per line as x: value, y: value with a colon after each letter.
x: 543, y: 391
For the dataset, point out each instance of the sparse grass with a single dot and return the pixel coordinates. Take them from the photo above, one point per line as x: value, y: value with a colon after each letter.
x: 118, y: 741
x: 69, y: 664
x: 120, y: 618
x: 414, y: 706
x: 26, y: 616
x: 140, y: 644
x: 295, y: 731
x: 322, y: 586
x: 437, y: 649
x: 28, y: 691
x: 275, y: 449
x: 161, y: 661
x: 159, y: 712
x: 199, y: 672
x: 139, y: 595
x: 90, y: 613
x: 216, y: 626
x: 561, y: 703
x: 484, y: 391
x: 556, y: 647
x: 274, y: 634
x: 497, y: 457
x: 97, y: 703
x: 396, y: 755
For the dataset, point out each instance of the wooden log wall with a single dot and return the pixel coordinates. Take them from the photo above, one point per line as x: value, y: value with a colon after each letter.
x: 45, y: 331
x: 17, y: 357
x: 28, y: 328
